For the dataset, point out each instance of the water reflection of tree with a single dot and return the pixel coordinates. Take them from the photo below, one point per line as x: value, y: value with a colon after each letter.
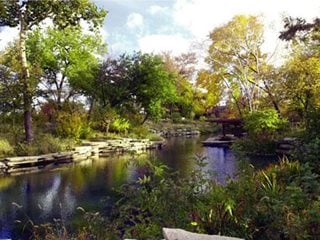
x: 6, y: 182
x: 179, y: 154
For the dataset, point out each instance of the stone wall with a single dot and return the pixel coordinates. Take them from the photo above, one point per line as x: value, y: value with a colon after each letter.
x: 179, y: 132
x: 89, y: 149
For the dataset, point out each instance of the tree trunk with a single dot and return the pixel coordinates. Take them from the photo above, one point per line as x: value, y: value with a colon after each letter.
x: 27, y: 97
x: 90, y: 109
x: 145, y: 119
x: 273, y: 101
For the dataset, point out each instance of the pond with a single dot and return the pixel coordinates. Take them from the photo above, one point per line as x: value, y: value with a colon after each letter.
x: 57, y: 193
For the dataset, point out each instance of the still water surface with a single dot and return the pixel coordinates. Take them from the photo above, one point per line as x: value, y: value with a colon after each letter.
x: 57, y: 193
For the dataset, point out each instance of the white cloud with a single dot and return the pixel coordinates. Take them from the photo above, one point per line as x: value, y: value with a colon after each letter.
x: 7, y: 35
x: 157, y: 43
x: 135, y: 20
x: 200, y: 17
x: 155, y: 9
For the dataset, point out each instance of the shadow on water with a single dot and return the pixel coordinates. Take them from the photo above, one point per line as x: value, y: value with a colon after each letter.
x: 57, y: 193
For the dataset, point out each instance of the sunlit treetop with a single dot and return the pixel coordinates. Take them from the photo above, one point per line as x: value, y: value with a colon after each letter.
x: 62, y: 12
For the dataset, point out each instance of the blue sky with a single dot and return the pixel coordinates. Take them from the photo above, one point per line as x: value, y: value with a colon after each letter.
x: 146, y: 25
x: 183, y: 25
x: 180, y: 26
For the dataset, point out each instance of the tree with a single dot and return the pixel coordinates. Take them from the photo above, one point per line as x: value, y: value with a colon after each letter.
x: 183, y: 66
x: 302, y: 83
x: 235, y: 56
x: 137, y: 83
x: 68, y: 60
x: 29, y: 13
x: 153, y: 86
x: 263, y: 123
x: 10, y: 97
x: 211, y: 85
x: 301, y: 72
x: 112, y: 84
x: 295, y: 26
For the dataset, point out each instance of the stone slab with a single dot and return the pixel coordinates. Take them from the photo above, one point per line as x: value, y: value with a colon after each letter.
x: 180, y: 234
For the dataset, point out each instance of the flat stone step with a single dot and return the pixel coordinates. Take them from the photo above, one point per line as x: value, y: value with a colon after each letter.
x: 180, y: 234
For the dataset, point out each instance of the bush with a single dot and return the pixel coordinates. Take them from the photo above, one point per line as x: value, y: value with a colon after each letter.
x: 120, y: 125
x: 309, y: 152
x: 254, y: 146
x: 102, y: 118
x: 264, y: 123
x: 5, y: 148
x: 154, y: 137
x: 12, y: 133
x: 86, y: 131
x: 139, y: 132
x: 72, y: 125
x: 312, y: 123
x: 280, y: 202
x: 176, y: 117
x: 44, y: 144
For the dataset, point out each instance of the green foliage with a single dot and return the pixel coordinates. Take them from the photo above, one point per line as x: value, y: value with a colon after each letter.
x: 176, y: 117
x: 102, y: 118
x: 11, y: 131
x: 312, y: 123
x: 120, y: 125
x: 5, y: 148
x: 155, y: 137
x: 254, y: 147
x: 72, y: 125
x: 155, y: 84
x: 263, y: 123
x: 236, y: 60
x: 139, y: 132
x: 143, y: 132
x: 212, y: 83
x: 71, y: 67
x: 27, y: 15
x: 309, y: 152
x: 43, y: 144
x: 136, y: 84
x: 86, y: 131
x: 279, y: 202
x: 63, y: 15
x: 139, y: 210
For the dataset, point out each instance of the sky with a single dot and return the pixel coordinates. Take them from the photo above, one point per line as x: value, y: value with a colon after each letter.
x: 184, y: 25
x: 180, y: 26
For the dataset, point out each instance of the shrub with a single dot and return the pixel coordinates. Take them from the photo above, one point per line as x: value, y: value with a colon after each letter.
x: 277, y: 203
x: 5, y: 148
x: 102, y: 118
x: 44, y: 144
x: 86, y: 131
x: 70, y: 125
x: 139, y: 132
x: 154, y: 137
x: 312, y: 123
x: 12, y: 133
x: 280, y: 202
x: 309, y: 152
x: 176, y: 117
x: 264, y: 123
x: 254, y: 146
x: 120, y: 125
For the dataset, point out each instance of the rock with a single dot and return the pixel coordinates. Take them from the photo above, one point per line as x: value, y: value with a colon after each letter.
x: 290, y: 139
x: 179, y: 234
x: 2, y: 165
